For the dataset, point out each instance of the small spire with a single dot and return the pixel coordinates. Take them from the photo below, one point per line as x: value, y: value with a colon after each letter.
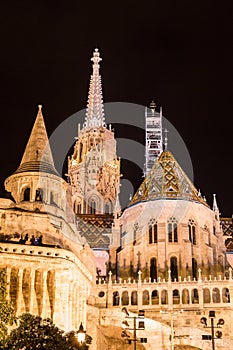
x: 37, y: 154
x: 161, y: 112
x: 95, y: 107
x: 215, y: 206
x: 117, y: 209
x: 165, y: 139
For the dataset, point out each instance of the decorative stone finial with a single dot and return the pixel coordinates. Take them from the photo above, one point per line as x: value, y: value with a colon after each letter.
x: 39, y: 107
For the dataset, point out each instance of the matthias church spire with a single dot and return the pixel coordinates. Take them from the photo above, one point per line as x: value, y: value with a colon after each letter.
x: 95, y: 107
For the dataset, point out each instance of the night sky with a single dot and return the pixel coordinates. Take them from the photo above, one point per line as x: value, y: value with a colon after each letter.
x: 178, y: 53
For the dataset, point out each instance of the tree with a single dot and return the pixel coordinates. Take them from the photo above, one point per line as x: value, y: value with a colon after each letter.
x: 7, y: 312
x: 34, y: 332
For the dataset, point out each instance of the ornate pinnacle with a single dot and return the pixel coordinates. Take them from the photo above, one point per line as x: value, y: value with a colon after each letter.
x: 95, y: 107
x: 96, y: 57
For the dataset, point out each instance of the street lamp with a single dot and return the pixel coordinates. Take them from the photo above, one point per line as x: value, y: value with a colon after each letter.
x: 81, y: 334
x: 172, y: 315
x: 218, y: 334
x: 141, y: 325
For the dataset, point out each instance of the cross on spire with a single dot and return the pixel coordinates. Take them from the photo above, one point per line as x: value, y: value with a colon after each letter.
x: 95, y: 107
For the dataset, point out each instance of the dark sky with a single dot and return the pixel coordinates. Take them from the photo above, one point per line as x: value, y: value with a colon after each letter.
x: 176, y: 52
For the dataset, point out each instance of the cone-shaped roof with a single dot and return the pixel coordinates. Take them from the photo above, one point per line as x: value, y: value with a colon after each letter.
x: 37, y: 155
x: 166, y: 180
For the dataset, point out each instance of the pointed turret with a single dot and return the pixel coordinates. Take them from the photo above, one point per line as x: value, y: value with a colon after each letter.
x: 36, y: 182
x: 37, y: 155
x: 166, y: 180
x: 95, y: 107
x: 215, y: 207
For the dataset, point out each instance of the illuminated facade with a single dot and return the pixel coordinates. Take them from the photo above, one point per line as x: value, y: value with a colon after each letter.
x: 166, y: 251
x: 44, y: 257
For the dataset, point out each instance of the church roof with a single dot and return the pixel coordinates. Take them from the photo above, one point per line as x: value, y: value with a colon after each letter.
x: 37, y: 155
x: 166, y: 180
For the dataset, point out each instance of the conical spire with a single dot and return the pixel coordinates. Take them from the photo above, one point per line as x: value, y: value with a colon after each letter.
x: 166, y: 180
x: 37, y: 155
x: 95, y: 107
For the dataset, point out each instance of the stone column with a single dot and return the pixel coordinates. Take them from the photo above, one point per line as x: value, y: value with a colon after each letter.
x: 200, y: 296
x: 45, y: 305
x: 58, y: 315
x: 70, y: 304
x: 109, y: 295
x: 139, y: 291
x: 19, y: 295
x: 32, y: 302
x: 8, y: 281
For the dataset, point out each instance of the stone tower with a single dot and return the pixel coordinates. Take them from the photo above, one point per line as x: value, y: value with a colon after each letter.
x: 44, y: 257
x: 36, y: 183
x: 94, y: 171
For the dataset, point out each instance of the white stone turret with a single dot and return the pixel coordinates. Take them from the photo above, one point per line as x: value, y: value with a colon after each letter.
x: 215, y: 207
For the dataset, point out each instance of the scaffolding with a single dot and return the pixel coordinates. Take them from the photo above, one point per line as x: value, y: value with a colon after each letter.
x: 154, y: 136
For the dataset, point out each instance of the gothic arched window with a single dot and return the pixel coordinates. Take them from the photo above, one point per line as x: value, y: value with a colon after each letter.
x: 176, y: 296
x: 39, y: 195
x: 194, y: 268
x: 92, y: 206
x: 172, y: 230
x: 192, y: 231
x: 195, y: 297
x: 153, y: 232
x: 108, y: 208
x: 153, y: 269
x: 135, y: 229
x: 134, y: 298
x: 155, y: 297
x: 115, y: 299
x: 26, y: 195
x: 225, y: 295
x: 174, y: 268
x: 52, y: 198
x: 216, y: 295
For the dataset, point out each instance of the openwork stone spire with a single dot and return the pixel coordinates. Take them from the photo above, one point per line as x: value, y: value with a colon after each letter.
x: 95, y: 107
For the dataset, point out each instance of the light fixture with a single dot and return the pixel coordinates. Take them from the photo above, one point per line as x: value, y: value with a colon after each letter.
x: 218, y: 334
x: 204, y: 321
x: 211, y: 314
x: 124, y: 309
x: 125, y: 324
x: 220, y: 322
x: 141, y: 313
x: 81, y: 334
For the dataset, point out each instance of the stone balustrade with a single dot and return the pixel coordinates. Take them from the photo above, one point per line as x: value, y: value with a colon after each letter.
x: 185, y: 293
